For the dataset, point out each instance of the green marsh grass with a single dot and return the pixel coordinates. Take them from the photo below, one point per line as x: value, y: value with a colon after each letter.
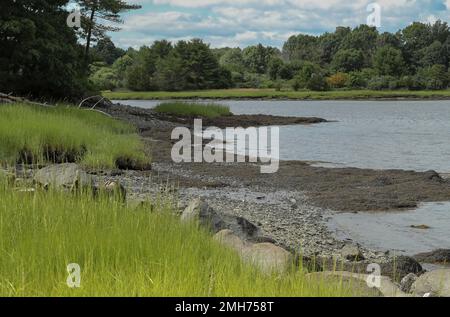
x: 274, y: 94
x: 34, y: 134
x: 210, y: 110
x: 124, y: 252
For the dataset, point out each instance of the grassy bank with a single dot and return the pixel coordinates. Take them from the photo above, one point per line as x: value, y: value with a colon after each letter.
x: 65, y: 134
x: 194, y: 109
x: 273, y: 94
x: 123, y: 252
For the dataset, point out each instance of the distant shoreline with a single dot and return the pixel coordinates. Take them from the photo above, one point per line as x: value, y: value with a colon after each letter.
x: 271, y: 94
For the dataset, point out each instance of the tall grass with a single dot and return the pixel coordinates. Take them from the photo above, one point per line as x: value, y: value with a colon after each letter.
x: 124, y: 252
x: 194, y: 109
x: 65, y: 134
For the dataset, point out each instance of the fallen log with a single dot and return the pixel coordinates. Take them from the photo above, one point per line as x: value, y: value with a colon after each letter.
x: 8, y: 98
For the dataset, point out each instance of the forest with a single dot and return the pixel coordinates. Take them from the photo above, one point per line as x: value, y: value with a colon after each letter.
x: 42, y: 57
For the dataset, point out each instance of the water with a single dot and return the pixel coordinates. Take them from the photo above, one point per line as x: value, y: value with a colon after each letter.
x: 411, y: 135
x: 393, y: 231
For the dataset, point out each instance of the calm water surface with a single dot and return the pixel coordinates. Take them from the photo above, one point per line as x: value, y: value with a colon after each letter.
x: 412, y: 135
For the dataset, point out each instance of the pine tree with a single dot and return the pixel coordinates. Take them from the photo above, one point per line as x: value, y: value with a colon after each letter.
x: 97, y: 14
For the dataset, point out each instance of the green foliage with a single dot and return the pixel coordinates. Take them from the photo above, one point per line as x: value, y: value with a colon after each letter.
x: 317, y: 82
x: 381, y: 82
x: 274, y: 67
x: 306, y: 72
x: 370, y: 59
x: 389, y: 61
x: 435, y: 77
x: 348, y: 60
x: 106, y: 51
x: 39, y: 54
x: 35, y: 134
x: 185, y: 66
x: 211, y: 110
x: 100, y: 17
x: 105, y: 78
x: 257, y: 58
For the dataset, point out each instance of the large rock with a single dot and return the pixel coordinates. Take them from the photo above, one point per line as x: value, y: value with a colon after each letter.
x: 352, y: 252
x: 63, y: 176
x: 267, y: 257
x: 208, y: 217
x: 440, y: 256
x: 400, y: 267
x: 230, y: 240
x: 435, y: 283
x: 358, y: 284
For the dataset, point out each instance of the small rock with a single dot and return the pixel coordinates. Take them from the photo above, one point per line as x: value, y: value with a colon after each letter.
x: 352, y: 252
x: 435, y: 282
x: 407, y: 282
x: 114, y: 189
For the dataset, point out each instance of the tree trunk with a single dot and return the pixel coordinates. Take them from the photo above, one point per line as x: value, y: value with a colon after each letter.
x: 89, y: 34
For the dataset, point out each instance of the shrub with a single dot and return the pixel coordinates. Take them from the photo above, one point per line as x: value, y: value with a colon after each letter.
x: 380, y: 82
x: 338, y: 80
x: 317, y: 83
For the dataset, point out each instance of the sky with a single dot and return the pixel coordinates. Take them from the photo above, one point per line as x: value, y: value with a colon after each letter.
x: 240, y: 23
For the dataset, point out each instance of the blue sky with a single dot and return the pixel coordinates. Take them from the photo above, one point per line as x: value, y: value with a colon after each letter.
x: 270, y: 22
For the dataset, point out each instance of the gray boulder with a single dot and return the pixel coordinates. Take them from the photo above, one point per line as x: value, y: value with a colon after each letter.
x: 63, y: 176
x: 435, y: 283
x: 267, y: 257
x: 352, y: 252
x: 400, y: 267
x: 208, y: 217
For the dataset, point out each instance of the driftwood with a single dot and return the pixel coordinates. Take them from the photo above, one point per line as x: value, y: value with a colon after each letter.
x: 8, y: 98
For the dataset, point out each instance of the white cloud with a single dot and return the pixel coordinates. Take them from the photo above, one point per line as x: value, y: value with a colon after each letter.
x: 245, y: 22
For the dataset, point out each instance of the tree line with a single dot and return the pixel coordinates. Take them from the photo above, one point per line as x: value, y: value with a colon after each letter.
x: 416, y: 57
x: 42, y: 57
